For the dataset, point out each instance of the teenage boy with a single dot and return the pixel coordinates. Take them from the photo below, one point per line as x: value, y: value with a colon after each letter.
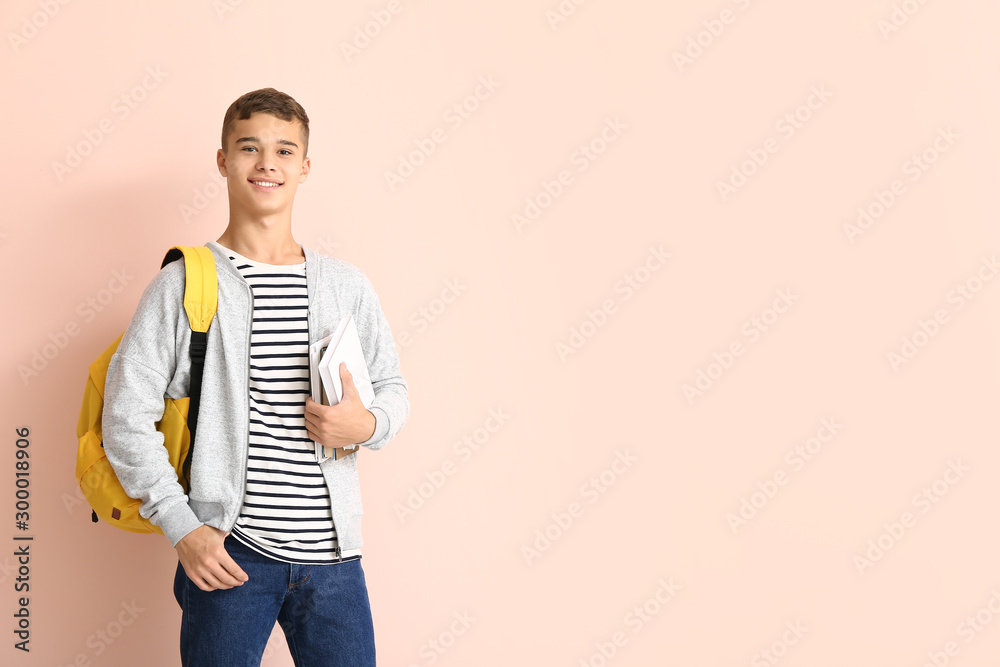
x: 267, y: 531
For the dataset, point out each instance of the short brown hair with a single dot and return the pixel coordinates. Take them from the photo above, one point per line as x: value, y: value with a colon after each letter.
x: 269, y: 101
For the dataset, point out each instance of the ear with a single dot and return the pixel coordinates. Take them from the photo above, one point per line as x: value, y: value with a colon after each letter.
x: 220, y: 159
x: 306, y: 166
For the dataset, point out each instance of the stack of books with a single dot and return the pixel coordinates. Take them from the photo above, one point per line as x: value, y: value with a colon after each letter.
x: 324, y: 375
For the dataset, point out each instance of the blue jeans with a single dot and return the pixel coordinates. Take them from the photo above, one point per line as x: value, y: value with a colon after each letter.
x: 322, y: 609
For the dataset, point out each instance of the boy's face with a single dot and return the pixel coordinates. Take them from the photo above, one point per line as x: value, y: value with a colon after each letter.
x: 263, y: 161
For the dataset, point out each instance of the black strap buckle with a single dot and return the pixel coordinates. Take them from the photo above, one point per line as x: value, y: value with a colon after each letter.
x: 199, y: 343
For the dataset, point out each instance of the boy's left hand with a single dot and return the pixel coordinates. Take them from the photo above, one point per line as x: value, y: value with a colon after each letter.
x: 346, y: 423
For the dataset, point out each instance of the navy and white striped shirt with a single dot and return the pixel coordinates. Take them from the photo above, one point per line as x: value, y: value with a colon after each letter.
x: 286, y: 511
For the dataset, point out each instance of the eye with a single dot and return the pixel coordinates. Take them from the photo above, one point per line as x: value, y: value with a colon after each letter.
x: 285, y: 151
x: 249, y: 148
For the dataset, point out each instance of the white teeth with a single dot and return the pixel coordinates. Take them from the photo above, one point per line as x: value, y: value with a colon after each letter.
x: 266, y: 184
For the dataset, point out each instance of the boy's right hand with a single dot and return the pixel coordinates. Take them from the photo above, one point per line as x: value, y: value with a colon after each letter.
x: 206, y: 561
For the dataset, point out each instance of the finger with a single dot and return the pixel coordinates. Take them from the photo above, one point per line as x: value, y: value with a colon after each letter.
x: 313, y: 425
x: 218, y: 585
x: 314, y: 430
x: 220, y: 573
x: 234, y: 569
x: 316, y: 411
x: 348, y: 380
x: 200, y: 583
x: 207, y: 582
x: 227, y: 566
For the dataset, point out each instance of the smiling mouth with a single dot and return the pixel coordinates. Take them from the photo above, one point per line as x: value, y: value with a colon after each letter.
x: 265, y: 184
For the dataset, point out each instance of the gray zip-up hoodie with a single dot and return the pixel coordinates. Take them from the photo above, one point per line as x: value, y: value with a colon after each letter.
x: 153, y: 362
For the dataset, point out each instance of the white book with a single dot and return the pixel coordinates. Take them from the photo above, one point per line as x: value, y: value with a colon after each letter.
x: 345, y: 346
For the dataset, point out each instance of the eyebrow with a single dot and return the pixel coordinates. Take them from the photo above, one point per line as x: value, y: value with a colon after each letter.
x: 255, y: 140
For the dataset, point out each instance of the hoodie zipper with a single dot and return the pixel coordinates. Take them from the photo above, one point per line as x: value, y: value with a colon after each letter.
x: 246, y: 450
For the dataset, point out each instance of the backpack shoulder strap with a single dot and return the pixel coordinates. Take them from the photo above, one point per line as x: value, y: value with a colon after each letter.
x: 201, y: 301
x: 201, y: 291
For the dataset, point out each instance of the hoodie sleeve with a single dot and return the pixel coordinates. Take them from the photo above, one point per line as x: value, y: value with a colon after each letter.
x: 137, y: 382
x: 391, y: 405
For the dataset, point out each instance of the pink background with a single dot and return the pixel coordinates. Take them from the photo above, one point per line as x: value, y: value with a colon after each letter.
x: 151, y: 182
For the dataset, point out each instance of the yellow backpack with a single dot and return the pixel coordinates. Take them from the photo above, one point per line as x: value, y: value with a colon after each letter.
x: 94, y: 473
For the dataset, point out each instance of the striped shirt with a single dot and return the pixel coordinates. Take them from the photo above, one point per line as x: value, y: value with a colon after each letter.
x: 286, y: 511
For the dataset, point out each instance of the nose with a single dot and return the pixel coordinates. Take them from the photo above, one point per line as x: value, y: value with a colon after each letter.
x: 265, y: 161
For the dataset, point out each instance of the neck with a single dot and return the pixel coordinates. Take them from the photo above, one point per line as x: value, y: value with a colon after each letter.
x: 263, y: 242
